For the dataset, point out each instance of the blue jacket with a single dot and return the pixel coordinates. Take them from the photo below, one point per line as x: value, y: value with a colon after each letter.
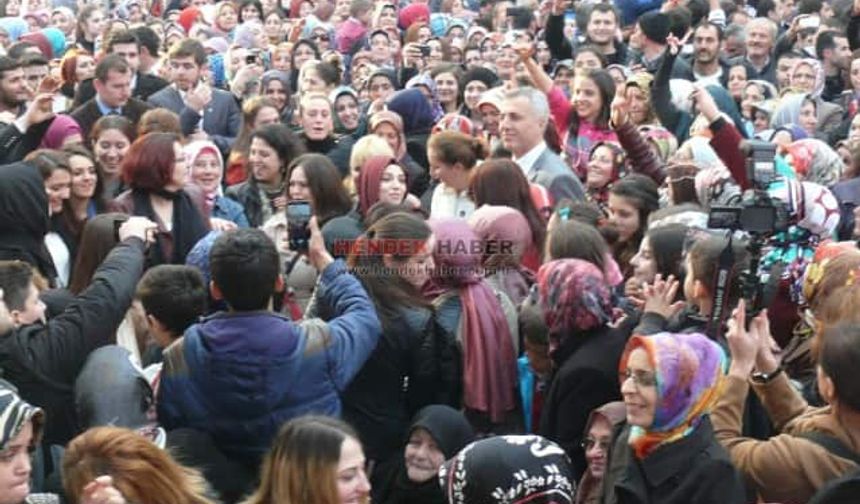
x: 240, y: 376
x: 232, y: 210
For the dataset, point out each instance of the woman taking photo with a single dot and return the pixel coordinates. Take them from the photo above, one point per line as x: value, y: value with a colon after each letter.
x: 111, y: 138
x: 314, y: 179
x: 271, y: 150
x: 156, y: 173
x: 256, y: 113
x: 313, y: 459
x: 207, y: 170
x: 402, y: 374
x: 670, y: 383
x: 452, y: 157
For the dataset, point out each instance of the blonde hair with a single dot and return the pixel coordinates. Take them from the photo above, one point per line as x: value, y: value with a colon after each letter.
x: 365, y: 148
x: 301, y: 467
x: 142, y: 472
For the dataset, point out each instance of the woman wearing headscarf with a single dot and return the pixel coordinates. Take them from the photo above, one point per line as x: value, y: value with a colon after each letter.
x: 485, y: 325
x: 670, y: 383
x: 597, y: 439
x: 437, y: 433
x: 389, y: 125
x: 275, y: 85
x: 207, y: 172
x: 427, y: 86
x: 14, y: 27
x: 418, y: 121
x: 348, y: 119
x: 24, y: 219
x: 815, y: 161
x: 678, y: 121
x: 576, y: 303
x: 506, y: 235
x: 511, y: 469
x: 63, y: 132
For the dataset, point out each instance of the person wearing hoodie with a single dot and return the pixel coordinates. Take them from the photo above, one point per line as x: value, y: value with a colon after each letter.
x: 42, y: 358
x: 250, y: 369
x: 437, y: 433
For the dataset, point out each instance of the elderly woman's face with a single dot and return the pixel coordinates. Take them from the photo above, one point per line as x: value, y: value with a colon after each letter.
x: 639, y: 389
x: 803, y: 78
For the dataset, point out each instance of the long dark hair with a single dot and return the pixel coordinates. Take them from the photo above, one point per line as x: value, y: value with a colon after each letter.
x: 501, y: 182
x: 667, y: 248
x: 97, y: 240
x: 330, y: 198
x: 641, y: 192
x: 98, y: 198
x: 283, y: 141
x: 389, y: 291
x: 606, y: 86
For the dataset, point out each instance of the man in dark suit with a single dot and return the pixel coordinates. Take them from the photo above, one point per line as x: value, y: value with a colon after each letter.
x: 204, y: 112
x: 113, y: 95
x: 126, y: 45
x: 525, y: 115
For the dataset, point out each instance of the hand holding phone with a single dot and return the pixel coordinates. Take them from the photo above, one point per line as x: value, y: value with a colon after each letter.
x: 298, y: 217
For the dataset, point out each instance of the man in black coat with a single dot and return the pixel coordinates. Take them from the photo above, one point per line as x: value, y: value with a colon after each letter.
x: 43, y: 359
x: 113, y: 95
x: 126, y: 45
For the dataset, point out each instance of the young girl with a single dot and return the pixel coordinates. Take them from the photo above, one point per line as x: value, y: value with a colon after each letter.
x: 583, y: 121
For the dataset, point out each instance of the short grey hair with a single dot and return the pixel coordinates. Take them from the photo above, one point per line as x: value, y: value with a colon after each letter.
x: 537, y: 100
x: 766, y: 23
x: 737, y: 31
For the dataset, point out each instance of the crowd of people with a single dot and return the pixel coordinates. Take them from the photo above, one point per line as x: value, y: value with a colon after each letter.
x: 429, y: 251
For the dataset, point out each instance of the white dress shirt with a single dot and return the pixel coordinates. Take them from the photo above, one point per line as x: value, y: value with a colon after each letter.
x: 528, y: 159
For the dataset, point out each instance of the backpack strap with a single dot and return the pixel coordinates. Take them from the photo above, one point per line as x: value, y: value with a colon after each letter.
x: 831, y: 444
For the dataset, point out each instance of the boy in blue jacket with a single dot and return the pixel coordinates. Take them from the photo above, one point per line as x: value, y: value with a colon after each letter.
x: 239, y: 375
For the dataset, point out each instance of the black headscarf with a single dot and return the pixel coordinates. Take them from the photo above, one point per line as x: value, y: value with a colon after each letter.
x: 24, y: 218
x: 451, y: 432
x: 512, y: 469
x: 188, y: 225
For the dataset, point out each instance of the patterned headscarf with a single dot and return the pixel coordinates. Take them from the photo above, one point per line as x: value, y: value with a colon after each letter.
x: 643, y: 80
x: 574, y: 297
x: 689, y: 369
x: 509, y: 470
x: 815, y: 161
x: 424, y: 79
x: 817, y: 69
x: 662, y: 139
x: 14, y: 415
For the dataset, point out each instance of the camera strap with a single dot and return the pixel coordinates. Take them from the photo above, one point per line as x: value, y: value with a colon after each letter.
x: 721, y: 291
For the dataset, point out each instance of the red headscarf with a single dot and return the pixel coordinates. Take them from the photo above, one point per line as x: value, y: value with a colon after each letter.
x: 187, y: 17
x: 369, y: 179
x: 412, y: 14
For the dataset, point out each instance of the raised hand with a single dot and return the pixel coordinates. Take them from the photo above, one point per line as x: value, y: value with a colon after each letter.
x: 660, y: 296
x: 619, y: 111
x: 524, y: 50
x: 705, y: 103
x: 675, y: 44
x: 317, y: 253
x: 743, y: 344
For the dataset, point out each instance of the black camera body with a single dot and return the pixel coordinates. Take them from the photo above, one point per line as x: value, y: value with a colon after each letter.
x: 757, y: 213
x: 760, y: 215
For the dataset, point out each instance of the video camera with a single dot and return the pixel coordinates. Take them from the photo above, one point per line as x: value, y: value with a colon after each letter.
x: 759, y: 215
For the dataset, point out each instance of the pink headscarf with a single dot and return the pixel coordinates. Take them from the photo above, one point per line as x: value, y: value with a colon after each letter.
x: 489, y: 374
x: 61, y: 128
x: 394, y: 119
x: 506, y: 235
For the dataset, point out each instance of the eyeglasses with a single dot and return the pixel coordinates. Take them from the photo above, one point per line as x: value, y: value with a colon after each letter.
x: 320, y: 36
x: 589, y: 443
x: 640, y: 378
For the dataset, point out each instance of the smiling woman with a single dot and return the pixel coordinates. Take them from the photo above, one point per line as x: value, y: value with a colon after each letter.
x: 314, y: 459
